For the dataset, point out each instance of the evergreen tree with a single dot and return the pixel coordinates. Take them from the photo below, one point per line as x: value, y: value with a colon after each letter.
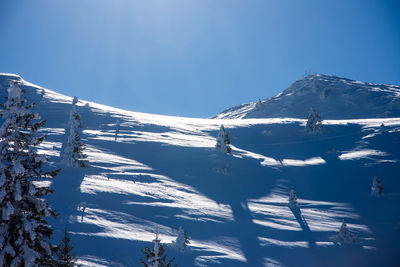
x: 65, y: 256
x: 223, y: 142
x: 182, y: 240
x: 293, y: 198
x: 345, y: 235
x: 314, y: 122
x: 73, y: 153
x: 155, y: 257
x: 75, y: 100
x: 377, y: 187
x: 24, y: 233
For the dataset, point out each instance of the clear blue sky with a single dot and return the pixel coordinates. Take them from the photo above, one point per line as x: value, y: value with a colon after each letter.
x: 195, y: 58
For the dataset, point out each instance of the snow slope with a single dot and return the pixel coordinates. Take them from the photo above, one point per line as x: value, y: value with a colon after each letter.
x: 162, y: 172
x: 333, y: 97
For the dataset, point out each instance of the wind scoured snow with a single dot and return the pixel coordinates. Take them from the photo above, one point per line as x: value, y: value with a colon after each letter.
x: 166, y: 191
x: 93, y: 261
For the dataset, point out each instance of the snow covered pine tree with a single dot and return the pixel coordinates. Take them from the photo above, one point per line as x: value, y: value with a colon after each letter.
x: 182, y: 240
x: 24, y: 234
x: 64, y: 253
x: 223, y: 142
x: 73, y: 153
x: 345, y: 235
x: 156, y: 257
x: 314, y: 121
x: 377, y: 187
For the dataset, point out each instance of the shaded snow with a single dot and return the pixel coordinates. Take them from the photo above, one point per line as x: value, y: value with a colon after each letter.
x: 163, y: 172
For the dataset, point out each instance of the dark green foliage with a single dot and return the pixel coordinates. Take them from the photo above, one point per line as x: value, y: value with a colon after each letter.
x: 65, y: 256
x: 24, y: 233
x: 155, y: 257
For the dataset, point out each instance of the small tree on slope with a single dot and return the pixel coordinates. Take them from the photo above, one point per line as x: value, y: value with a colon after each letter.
x: 182, y: 240
x: 155, y: 257
x: 377, y: 187
x: 223, y: 142
x: 345, y: 235
x: 73, y: 153
x: 64, y: 253
x: 382, y: 128
x: 24, y: 234
x: 314, y: 121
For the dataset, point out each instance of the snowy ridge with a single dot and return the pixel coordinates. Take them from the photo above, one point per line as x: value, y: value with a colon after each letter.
x: 157, y: 173
x: 333, y: 97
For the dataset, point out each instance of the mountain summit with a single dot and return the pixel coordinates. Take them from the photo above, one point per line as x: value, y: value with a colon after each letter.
x: 333, y: 97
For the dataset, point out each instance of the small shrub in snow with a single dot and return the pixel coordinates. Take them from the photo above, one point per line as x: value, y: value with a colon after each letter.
x: 24, y: 233
x: 293, y: 199
x: 377, y: 187
x: 73, y: 153
x: 314, y: 122
x: 382, y: 128
x: 345, y: 235
x: 223, y: 142
x: 182, y: 240
x: 155, y: 257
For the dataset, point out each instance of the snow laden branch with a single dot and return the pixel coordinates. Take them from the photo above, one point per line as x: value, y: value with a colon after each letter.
x: 182, y: 240
x: 24, y: 233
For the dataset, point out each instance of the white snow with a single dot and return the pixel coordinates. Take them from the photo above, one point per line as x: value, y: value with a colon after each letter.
x: 163, y: 171
x: 265, y: 242
x: 302, y: 163
x: 359, y: 154
x: 166, y: 191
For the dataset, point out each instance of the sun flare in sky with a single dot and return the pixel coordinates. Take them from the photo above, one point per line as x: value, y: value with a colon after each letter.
x: 195, y: 58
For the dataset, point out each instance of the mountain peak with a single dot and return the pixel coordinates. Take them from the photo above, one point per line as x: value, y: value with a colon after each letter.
x: 334, y: 97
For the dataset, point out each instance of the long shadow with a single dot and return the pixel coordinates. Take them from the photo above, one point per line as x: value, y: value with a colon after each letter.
x: 240, y: 180
x: 304, y: 225
x: 247, y: 234
x: 232, y: 187
x: 66, y: 197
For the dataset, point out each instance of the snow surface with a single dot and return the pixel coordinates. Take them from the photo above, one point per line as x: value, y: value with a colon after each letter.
x: 162, y: 172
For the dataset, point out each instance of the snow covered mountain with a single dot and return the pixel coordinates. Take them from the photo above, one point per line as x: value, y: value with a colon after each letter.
x: 151, y: 173
x: 333, y: 97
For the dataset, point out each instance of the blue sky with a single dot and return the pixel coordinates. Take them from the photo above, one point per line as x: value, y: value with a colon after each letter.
x: 195, y: 58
